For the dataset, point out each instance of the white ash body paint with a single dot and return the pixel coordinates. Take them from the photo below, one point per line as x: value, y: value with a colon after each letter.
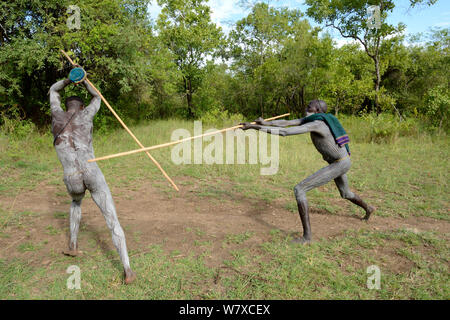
x: 74, y: 147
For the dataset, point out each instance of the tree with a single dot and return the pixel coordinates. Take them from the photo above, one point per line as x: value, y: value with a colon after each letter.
x: 305, y: 67
x: 350, y: 79
x: 185, y: 27
x: 416, y: 74
x: 258, y: 41
x: 349, y: 17
x: 112, y: 45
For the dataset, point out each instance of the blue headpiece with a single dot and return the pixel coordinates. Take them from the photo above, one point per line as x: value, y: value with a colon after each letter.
x: 77, y: 75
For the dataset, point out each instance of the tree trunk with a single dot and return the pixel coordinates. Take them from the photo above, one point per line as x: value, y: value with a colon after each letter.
x: 188, y: 90
x: 261, y: 103
x: 302, y: 101
x: 336, y: 109
x: 377, y: 85
x: 288, y: 103
x: 277, y: 106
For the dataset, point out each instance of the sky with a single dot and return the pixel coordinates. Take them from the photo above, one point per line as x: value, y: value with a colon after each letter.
x: 419, y: 19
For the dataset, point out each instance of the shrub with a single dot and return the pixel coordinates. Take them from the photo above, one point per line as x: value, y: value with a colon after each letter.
x: 14, y: 127
x: 218, y: 117
x: 382, y: 128
x: 438, y: 107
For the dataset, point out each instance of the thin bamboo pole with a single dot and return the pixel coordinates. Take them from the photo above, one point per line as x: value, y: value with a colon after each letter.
x: 126, y: 128
x: 176, y: 142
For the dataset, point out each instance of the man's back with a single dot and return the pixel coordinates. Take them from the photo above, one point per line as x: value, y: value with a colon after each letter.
x: 72, y: 131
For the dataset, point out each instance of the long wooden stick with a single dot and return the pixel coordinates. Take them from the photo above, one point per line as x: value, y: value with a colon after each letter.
x: 176, y: 142
x: 126, y: 128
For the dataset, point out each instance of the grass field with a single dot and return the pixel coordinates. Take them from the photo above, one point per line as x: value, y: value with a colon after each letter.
x: 226, y: 234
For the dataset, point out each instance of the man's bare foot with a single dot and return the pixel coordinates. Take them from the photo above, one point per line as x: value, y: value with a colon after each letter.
x: 130, y: 276
x: 368, y: 213
x: 71, y: 252
x: 301, y: 240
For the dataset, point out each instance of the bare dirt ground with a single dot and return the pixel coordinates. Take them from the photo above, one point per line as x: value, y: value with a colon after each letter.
x: 176, y: 221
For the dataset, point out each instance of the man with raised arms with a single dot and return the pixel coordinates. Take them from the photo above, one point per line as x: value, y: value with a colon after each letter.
x: 72, y: 131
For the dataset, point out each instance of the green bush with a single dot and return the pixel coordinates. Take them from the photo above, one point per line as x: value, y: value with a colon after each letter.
x: 438, y: 107
x: 16, y: 128
x: 218, y: 117
x: 382, y: 128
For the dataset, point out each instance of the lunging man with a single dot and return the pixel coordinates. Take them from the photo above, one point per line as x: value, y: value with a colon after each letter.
x: 331, y: 140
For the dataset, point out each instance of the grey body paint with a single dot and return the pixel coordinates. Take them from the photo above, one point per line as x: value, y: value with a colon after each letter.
x: 337, y: 158
x: 74, y: 147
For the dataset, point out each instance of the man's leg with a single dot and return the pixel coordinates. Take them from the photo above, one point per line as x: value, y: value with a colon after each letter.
x: 319, y: 178
x: 302, y: 205
x: 76, y: 189
x: 346, y: 193
x: 75, y: 218
x: 102, y: 197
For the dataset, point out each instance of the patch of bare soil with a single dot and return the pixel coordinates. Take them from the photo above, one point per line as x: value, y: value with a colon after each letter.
x: 184, y: 221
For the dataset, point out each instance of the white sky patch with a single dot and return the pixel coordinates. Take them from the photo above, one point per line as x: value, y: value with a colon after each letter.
x: 442, y: 24
x: 225, y: 13
x: 343, y: 41
x: 154, y: 10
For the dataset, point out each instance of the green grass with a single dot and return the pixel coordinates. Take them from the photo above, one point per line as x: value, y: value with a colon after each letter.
x: 17, y: 219
x: 28, y: 246
x: 407, y: 177
x: 399, y: 177
x: 60, y: 215
x: 51, y: 230
x: 331, y: 269
x: 238, y: 238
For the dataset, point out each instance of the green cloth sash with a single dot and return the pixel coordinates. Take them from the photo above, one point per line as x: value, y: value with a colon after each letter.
x: 339, y: 134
